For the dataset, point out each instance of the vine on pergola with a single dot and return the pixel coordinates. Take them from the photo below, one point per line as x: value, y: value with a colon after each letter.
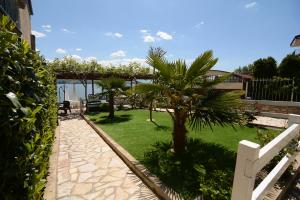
x: 70, y: 68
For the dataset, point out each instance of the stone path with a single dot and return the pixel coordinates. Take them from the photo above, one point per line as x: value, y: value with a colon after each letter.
x: 270, y: 121
x: 87, y: 168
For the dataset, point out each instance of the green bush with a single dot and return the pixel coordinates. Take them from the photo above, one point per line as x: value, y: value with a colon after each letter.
x: 28, y: 117
x: 203, y: 170
x: 104, y: 107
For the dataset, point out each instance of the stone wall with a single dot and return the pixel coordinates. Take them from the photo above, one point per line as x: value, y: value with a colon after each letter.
x: 283, y: 107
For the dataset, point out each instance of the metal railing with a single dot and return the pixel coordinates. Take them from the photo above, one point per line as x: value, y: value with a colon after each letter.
x: 272, y: 89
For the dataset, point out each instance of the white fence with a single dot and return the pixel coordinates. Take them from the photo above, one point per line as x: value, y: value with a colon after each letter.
x: 251, y: 158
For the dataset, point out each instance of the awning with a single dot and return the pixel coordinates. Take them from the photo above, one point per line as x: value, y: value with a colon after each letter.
x: 296, y: 41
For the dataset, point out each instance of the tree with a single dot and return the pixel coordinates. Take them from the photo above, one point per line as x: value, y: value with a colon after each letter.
x: 248, y: 69
x: 80, y: 69
x: 113, y: 86
x: 191, y: 96
x: 265, y: 68
x: 290, y: 66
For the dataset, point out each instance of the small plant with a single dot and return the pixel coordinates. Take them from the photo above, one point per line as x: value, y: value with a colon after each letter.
x: 264, y: 138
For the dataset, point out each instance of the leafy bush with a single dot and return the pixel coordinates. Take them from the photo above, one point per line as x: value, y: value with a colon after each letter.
x: 204, y: 169
x: 28, y: 117
x: 104, y: 107
x: 266, y: 137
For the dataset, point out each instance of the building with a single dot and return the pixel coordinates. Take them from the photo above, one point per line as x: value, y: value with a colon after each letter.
x: 20, y: 12
x: 296, y: 41
x: 233, y: 82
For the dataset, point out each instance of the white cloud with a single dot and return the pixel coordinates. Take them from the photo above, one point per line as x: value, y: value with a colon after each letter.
x: 117, y: 35
x: 38, y: 34
x: 90, y: 58
x: 76, y: 57
x: 118, y: 54
x: 251, y: 5
x: 164, y: 35
x: 66, y: 30
x: 144, y: 31
x: 149, y: 38
x: 78, y: 49
x: 47, y: 27
x: 61, y: 51
x: 123, y: 61
x: 198, y: 26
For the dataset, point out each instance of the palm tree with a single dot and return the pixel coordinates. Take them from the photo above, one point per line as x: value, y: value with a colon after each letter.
x: 191, y: 96
x: 149, y: 98
x: 113, y: 86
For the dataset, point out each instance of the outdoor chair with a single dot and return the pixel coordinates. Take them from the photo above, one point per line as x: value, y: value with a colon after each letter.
x: 66, y: 105
x: 93, y: 102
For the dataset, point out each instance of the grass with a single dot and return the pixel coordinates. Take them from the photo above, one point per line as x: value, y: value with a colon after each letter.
x: 132, y: 130
x: 210, y: 154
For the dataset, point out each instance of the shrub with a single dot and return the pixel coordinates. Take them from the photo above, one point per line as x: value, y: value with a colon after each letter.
x: 203, y: 170
x: 104, y: 107
x: 28, y: 117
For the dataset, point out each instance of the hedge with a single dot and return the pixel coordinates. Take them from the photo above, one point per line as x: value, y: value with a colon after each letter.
x: 28, y: 117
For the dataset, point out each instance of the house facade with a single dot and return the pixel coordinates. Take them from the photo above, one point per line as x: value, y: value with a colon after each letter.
x: 20, y: 12
x: 233, y: 82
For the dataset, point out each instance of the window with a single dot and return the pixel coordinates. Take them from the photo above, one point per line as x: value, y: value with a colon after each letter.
x: 10, y: 8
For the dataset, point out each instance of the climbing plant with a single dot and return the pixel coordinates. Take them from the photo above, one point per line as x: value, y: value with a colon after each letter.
x: 28, y: 116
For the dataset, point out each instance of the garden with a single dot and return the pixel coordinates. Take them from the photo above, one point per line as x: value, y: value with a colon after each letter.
x: 210, y: 154
x: 191, y: 146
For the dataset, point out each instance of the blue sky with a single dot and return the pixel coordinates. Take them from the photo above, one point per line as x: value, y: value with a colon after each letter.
x: 119, y: 31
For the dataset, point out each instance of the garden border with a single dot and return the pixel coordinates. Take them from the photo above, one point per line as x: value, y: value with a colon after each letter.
x: 51, y: 185
x: 151, y: 181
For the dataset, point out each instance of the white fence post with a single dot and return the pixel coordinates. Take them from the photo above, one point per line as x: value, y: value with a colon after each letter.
x: 244, y: 176
x: 293, y: 119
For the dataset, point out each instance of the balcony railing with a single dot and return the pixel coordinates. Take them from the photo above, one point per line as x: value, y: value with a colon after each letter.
x: 10, y: 8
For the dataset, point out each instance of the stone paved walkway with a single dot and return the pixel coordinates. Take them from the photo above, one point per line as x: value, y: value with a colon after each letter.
x: 89, y: 169
x: 270, y: 121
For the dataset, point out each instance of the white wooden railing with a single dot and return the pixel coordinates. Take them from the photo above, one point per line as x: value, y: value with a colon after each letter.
x: 251, y: 158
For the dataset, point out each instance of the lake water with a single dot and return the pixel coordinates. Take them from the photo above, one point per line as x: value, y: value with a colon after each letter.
x: 74, y: 90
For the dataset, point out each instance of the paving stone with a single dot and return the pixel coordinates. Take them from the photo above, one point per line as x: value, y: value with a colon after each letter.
x: 89, y: 169
x: 82, y: 188
x: 84, y: 176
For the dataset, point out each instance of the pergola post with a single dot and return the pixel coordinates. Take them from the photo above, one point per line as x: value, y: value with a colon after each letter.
x: 93, y: 92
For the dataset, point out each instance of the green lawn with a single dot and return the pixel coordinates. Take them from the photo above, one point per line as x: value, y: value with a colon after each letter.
x: 210, y: 155
x: 132, y: 131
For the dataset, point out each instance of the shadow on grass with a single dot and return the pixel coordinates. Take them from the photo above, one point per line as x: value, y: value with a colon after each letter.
x: 160, y: 127
x: 116, y: 119
x: 205, y: 169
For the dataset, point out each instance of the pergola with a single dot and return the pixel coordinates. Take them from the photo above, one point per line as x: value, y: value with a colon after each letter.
x: 98, y: 76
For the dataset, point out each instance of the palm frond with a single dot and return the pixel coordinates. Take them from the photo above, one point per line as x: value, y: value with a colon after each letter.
x: 201, y: 65
x: 217, y: 108
x: 157, y: 60
x: 148, y: 88
x: 112, y: 83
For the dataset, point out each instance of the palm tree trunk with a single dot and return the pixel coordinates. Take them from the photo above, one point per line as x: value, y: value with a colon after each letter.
x: 179, y: 132
x: 111, y: 105
x: 150, y: 110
